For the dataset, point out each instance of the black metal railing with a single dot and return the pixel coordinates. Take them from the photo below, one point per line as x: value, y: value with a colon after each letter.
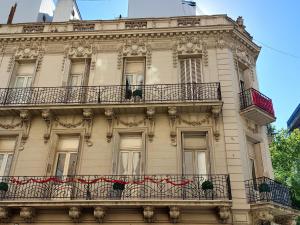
x: 114, y: 187
x: 253, y: 97
x: 112, y: 94
x: 264, y: 189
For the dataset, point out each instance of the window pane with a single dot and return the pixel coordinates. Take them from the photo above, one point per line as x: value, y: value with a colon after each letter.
x: 123, y: 163
x: 201, y: 163
x: 188, y: 162
x: 20, y: 82
x: 136, y: 163
x: 60, y: 164
x: 8, y: 164
x: 28, y: 82
x: 131, y: 142
x: 1, y: 162
x: 72, y: 164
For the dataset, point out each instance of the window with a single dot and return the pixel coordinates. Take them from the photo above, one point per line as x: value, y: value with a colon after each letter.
x: 24, y: 75
x: 134, y: 78
x: 190, y: 70
x: 195, y: 153
x: 7, y: 146
x: 78, y: 77
x: 252, y: 157
x: 79, y: 73
x: 66, y: 156
x: 130, y: 154
x: 190, y: 74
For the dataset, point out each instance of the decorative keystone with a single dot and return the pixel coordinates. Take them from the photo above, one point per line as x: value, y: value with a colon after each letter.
x: 224, y: 213
x: 99, y: 213
x: 74, y: 214
x: 148, y: 214
x: 27, y: 214
x: 174, y: 214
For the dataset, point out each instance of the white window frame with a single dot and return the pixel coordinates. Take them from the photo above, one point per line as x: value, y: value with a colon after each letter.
x: 4, y: 162
x: 195, y: 152
x: 116, y: 152
x: 67, y: 161
x: 84, y: 76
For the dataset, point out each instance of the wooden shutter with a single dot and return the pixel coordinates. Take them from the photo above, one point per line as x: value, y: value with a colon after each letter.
x: 190, y: 70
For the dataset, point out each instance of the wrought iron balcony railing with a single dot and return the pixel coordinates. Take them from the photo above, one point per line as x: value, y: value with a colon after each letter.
x: 252, y: 97
x: 114, y: 187
x: 112, y: 94
x: 264, y: 189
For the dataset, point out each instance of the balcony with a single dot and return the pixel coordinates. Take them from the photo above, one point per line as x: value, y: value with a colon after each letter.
x: 257, y: 107
x: 113, y: 95
x: 267, y: 190
x: 113, y: 192
x: 115, y: 187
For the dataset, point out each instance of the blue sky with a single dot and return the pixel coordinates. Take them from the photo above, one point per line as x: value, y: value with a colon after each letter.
x: 272, y: 23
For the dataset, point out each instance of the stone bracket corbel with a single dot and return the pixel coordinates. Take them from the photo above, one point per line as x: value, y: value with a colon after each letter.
x: 216, y: 112
x: 99, y: 214
x: 75, y: 214
x: 174, y: 214
x: 286, y: 219
x: 88, y: 116
x: 48, y: 118
x: 151, y: 122
x: 27, y: 214
x: 148, y: 214
x: 4, y: 214
x: 262, y: 216
x: 25, y: 125
x: 110, y: 117
x: 172, y: 111
x: 224, y: 213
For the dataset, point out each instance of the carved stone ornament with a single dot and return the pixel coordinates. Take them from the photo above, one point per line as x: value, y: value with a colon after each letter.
x: 135, y: 47
x: 190, y: 45
x: 74, y: 214
x: 25, y: 125
x: 151, y: 122
x: 286, y: 220
x: 99, y: 214
x: 148, y: 214
x: 243, y: 55
x: 224, y: 213
x: 131, y: 121
x: 263, y: 216
x: 216, y: 112
x: 28, y: 51
x: 81, y: 49
x: 194, y: 120
x: 88, y: 116
x: 4, y: 214
x: 174, y: 214
x: 27, y: 214
x: 172, y: 111
x: 48, y: 118
x: 110, y: 117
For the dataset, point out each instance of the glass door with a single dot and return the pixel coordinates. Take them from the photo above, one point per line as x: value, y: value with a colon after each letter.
x: 134, y: 76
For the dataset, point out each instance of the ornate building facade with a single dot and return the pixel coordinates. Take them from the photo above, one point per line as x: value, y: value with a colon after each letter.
x: 135, y: 121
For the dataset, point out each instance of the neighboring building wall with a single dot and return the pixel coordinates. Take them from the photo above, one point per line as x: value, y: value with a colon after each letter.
x: 158, y: 8
x: 66, y: 10
x: 27, y: 11
x: 294, y: 120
